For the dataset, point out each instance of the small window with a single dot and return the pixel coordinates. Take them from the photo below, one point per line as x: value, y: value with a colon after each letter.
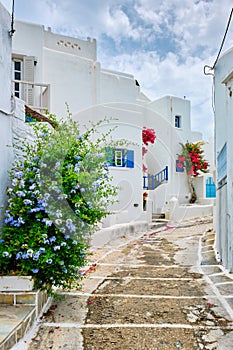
x: 119, y: 157
x: 17, y: 75
x: 178, y: 121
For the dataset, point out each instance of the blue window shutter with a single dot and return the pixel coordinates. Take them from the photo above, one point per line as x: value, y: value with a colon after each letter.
x: 130, y: 159
x: 110, y: 156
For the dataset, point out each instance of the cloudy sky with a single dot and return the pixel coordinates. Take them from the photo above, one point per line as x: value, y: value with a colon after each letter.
x: 164, y: 43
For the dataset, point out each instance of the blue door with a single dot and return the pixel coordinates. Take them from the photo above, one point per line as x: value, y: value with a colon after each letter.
x: 210, y: 188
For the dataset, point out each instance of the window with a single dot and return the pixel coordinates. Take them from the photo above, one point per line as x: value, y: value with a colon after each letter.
x: 178, y: 121
x: 23, y: 70
x: 119, y: 157
x: 17, y: 75
x: 222, y: 166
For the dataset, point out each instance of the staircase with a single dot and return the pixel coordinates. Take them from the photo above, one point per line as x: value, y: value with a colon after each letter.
x: 18, y: 312
x: 158, y: 220
x: 151, y: 182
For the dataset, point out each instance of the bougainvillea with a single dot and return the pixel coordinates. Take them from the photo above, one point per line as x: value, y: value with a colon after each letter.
x: 148, y: 136
x: 192, y: 159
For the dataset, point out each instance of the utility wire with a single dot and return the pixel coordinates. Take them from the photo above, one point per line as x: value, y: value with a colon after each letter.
x: 223, y: 41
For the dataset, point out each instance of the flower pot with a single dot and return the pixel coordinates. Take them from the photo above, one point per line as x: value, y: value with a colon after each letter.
x: 16, y: 283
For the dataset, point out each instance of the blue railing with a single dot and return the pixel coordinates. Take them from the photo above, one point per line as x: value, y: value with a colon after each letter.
x: 153, y: 181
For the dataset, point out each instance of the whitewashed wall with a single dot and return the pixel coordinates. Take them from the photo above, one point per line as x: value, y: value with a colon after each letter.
x: 6, y: 154
x: 223, y: 84
x: 69, y: 65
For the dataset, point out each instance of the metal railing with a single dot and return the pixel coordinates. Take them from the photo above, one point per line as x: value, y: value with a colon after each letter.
x: 151, y: 182
x: 35, y: 95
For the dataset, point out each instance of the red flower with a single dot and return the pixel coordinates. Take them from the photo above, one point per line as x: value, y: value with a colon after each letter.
x: 180, y: 165
x: 148, y: 135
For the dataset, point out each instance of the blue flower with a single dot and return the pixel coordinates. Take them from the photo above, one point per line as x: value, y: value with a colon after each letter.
x: 66, y: 236
x: 52, y: 239
x: 57, y: 247
x: 20, y: 220
x: 44, y: 134
x: 49, y: 261
x: 35, y: 270
x: 18, y: 255
x: 36, y: 256
x: 70, y: 225
x: 42, y: 250
x: 77, y: 157
x: 2, y: 240
x: 18, y: 174
x: 27, y: 202
x: 21, y: 193
x: 47, y: 222
x: 9, y: 219
x: 33, y: 186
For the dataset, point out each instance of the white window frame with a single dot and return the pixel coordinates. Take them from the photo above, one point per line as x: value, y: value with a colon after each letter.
x: 18, y: 92
x: 118, y: 157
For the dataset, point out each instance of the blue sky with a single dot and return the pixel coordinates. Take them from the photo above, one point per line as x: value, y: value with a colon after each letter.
x: 164, y: 43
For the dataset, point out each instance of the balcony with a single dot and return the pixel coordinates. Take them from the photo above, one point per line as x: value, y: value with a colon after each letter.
x: 35, y: 95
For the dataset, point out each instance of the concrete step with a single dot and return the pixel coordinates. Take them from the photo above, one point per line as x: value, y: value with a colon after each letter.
x: 18, y: 312
x: 15, y: 321
x: 157, y: 224
x: 156, y: 216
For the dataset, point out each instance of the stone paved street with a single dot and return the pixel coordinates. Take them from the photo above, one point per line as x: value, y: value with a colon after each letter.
x: 163, y: 290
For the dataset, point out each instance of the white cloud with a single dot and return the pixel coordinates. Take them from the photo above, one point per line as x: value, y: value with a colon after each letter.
x: 164, y: 43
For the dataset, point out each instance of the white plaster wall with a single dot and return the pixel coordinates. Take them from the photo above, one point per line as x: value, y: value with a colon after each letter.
x: 117, y: 87
x: 223, y: 134
x: 72, y: 81
x: 5, y: 60
x: 167, y: 146
x: 128, y: 120
x: 6, y: 154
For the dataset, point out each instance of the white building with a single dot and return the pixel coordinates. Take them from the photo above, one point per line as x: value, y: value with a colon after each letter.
x: 50, y: 70
x: 223, y: 83
x: 6, y: 105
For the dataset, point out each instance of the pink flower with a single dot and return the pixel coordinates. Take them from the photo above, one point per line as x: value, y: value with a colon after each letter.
x: 144, y: 168
x: 144, y: 151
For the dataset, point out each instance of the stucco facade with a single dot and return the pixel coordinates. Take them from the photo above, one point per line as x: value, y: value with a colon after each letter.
x: 223, y: 83
x: 63, y: 70
x: 5, y: 100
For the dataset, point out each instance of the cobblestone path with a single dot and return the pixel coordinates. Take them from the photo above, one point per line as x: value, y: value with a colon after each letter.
x: 161, y: 291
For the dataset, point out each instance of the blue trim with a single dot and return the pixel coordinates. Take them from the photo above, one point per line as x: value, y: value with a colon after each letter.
x: 130, y: 159
x: 153, y: 181
x: 127, y: 157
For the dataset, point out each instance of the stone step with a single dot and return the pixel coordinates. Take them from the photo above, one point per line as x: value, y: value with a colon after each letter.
x: 15, y: 321
x: 156, y: 224
x: 156, y: 216
x: 18, y: 312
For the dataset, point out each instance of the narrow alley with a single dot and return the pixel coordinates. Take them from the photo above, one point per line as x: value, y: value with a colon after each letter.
x: 162, y: 290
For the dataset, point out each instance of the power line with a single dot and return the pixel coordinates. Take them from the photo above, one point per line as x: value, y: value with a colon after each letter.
x: 223, y: 41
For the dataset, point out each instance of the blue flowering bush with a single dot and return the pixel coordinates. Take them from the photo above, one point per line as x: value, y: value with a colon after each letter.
x: 60, y: 190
